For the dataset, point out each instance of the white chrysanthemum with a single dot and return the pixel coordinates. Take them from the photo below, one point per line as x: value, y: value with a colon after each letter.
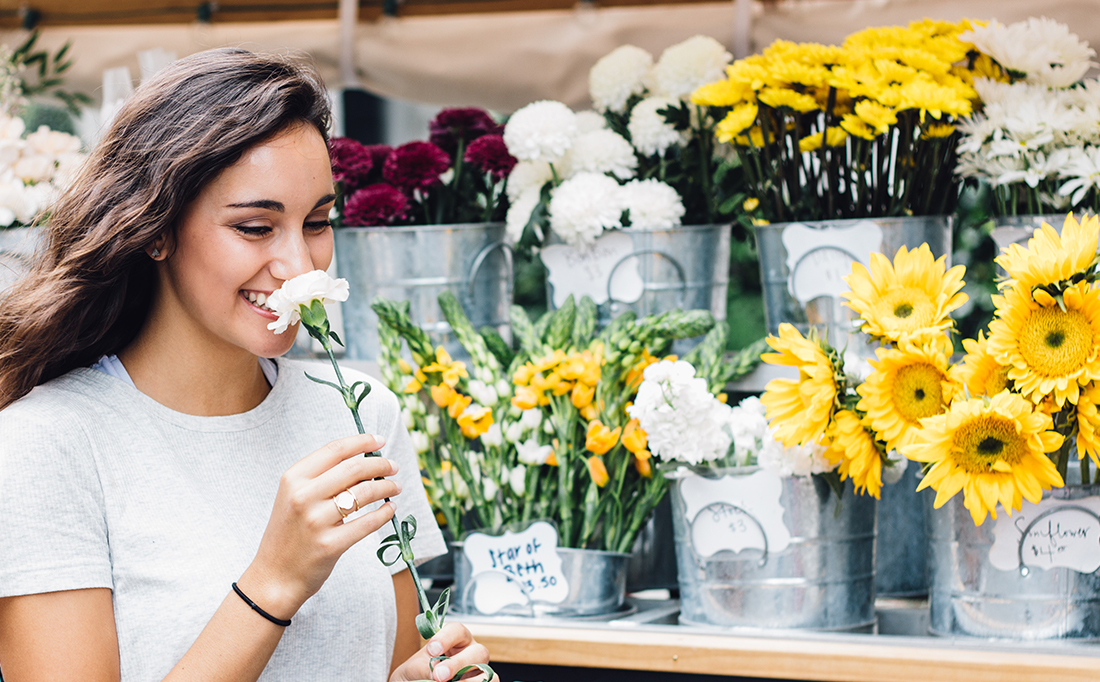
x: 653, y: 205
x: 1083, y: 168
x: 618, y: 76
x: 1041, y: 48
x: 303, y: 290
x: 796, y: 461
x: 649, y: 131
x: 603, y: 151
x: 526, y: 175
x: 541, y: 131
x: 686, y: 66
x: 589, y: 120
x: 585, y: 205
x: 519, y: 213
x: 681, y: 418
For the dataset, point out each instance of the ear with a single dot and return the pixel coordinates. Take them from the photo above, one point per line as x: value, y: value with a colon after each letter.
x: 160, y: 249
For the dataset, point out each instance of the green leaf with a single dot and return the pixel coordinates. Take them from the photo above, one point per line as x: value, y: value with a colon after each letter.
x: 497, y: 345
x: 424, y: 627
x: 408, y: 528
x: 560, y: 328
x: 322, y: 381
x: 335, y: 338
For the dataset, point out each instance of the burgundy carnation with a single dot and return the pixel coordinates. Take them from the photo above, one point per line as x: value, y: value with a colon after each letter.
x: 465, y: 123
x: 351, y: 161
x: 375, y: 205
x: 490, y: 154
x: 415, y: 165
x: 378, y: 154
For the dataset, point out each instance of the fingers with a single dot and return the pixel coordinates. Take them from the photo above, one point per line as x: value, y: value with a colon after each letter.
x: 456, y: 641
x: 354, y: 530
x: 353, y: 471
x: 337, y: 451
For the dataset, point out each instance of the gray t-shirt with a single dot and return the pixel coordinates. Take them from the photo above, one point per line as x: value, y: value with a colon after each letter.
x: 101, y: 486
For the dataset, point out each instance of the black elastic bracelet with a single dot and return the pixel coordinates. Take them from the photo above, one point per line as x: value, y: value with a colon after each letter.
x: 257, y: 609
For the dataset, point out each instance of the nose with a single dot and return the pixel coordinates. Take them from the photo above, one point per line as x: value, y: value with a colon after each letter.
x: 291, y: 256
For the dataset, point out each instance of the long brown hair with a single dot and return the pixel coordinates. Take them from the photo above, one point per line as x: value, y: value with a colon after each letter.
x: 91, y: 288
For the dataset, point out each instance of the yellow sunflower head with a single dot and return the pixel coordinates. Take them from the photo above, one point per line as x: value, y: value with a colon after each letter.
x: 979, y: 371
x: 1051, y: 258
x: 1050, y: 348
x: 800, y: 410
x: 909, y: 383
x: 907, y: 299
x: 992, y: 449
x: 855, y: 449
x: 1088, y: 424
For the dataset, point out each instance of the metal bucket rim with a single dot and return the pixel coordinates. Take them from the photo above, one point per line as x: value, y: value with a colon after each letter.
x: 684, y: 471
x: 844, y: 222
x: 678, y: 228
x: 418, y: 228
x: 591, y: 552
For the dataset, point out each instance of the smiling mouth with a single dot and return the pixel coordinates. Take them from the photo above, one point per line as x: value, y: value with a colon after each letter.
x: 257, y: 299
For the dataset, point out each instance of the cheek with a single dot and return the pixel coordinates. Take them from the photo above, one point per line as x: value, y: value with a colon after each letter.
x: 320, y: 250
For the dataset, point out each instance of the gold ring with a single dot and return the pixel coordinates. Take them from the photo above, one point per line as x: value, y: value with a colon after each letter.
x: 346, y: 503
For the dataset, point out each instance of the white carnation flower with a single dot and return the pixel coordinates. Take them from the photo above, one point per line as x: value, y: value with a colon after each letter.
x: 540, y: 131
x: 589, y: 120
x: 603, y: 151
x: 649, y: 131
x: 519, y: 214
x: 681, y: 418
x: 618, y: 76
x: 793, y: 461
x: 1041, y: 48
x: 653, y: 205
x: 585, y: 205
x: 530, y: 452
x: 686, y: 66
x: 528, y: 175
x: 303, y: 290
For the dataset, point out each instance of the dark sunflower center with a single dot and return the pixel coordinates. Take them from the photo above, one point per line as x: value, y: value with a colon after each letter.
x: 903, y: 310
x: 990, y: 446
x: 919, y: 394
x: 1056, y: 339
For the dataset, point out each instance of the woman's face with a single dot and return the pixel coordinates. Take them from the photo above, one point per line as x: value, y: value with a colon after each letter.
x: 260, y: 222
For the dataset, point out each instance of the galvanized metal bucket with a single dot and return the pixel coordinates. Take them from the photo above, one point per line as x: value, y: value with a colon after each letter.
x: 802, y: 266
x: 970, y: 596
x: 683, y: 267
x: 1017, y: 229
x: 17, y: 247
x: 597, y: 585
x: 417, y: 263
x: 901, y: 547
x: 823, y: 580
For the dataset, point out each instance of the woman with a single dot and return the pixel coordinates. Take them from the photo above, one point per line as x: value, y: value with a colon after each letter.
x: 151, y: 454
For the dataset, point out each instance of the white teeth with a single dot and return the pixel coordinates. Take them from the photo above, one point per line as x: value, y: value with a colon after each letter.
x: 261, y: 298
x: 251, y: 296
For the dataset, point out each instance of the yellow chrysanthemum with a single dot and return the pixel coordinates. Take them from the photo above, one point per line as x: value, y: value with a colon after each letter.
x: 1050, y: 349
x: 937, y: 130
x: 876, y: 115
x: 754, y: 138
x: 1049, y: 257
x: 990, y: 448
x: 836, y: 138
x: 929, y: 97
x: 782, y: 97
x: 979, y: 371
x: 908, y: 384
x: 908, y: 299
x: 1088, y: 424
x: 739, y: 119
x: 725, y: 93
x: 799, y: 410
x: 855, y: 449
x: 857, y: 127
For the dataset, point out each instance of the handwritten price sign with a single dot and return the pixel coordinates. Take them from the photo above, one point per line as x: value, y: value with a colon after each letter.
x: 735, y: 513
x: 585, y: 272
x: 1053, y: 533
x: 515, y: 568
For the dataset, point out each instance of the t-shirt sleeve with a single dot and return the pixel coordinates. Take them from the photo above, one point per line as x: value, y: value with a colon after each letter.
x: 428, y: 542
x: 54, y: 533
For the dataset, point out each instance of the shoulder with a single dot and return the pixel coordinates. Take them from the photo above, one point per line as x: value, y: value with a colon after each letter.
x: 53, y: 410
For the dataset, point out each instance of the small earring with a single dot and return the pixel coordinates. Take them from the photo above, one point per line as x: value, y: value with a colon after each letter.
x: 156, y: 253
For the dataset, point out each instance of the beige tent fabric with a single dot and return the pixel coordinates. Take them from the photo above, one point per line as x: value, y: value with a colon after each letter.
x: 503, y: 61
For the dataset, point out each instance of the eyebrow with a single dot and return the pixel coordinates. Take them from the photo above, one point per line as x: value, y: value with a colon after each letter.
x: 272, y: 205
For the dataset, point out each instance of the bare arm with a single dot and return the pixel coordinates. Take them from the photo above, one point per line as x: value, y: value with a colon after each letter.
x: 408, y: 637
x: 59, y: 636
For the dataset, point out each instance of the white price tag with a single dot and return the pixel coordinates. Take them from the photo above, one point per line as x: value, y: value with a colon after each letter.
x: 819, y: 259
x: 586, y: 272
x: 735, y: 513
x: 515, y: 568
x: 1053, y: 533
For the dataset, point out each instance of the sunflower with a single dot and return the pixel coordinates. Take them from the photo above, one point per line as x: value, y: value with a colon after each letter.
x: 908, y: 384
x: 800, y: 410
x: 911, y: 297
x: 1051, y: 258
x: 1048, y: 348
x: 856, y: 451
x: 990, y: 448
x: 979, y: 372
x: 1088, y: 424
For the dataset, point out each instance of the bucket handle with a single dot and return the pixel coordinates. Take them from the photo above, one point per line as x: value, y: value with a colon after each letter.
x: 763, y: 559
x: 655, y: 252
x: 1024, y: 570
x: 479, y: 260
x: 530, y: 605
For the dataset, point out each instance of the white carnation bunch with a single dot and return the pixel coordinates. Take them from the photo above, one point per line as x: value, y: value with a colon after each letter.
x: 685, y: 67
x: 681, y: 418
x: 541, y: 131
x: 649, y: 130
x: 519, y: 213
x: 589, y: 120
x: 527, y: 175
x: 602, y: 151
x: 1042, y: 49
x: 800, y: 460
x: 653, y: 205
x: 585, y: 205
x: 316, y: 285
x: 618, y: 76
